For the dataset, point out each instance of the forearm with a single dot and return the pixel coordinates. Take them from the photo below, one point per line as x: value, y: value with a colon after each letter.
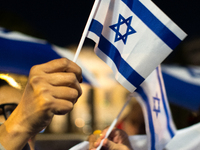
x: 12, y: 135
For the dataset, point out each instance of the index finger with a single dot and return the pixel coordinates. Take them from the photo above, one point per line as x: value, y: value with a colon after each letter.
x: 62, y: 65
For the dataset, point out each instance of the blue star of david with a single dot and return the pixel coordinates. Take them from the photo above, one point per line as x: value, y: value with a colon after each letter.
x: 156, y: 109
x: 116, y: 28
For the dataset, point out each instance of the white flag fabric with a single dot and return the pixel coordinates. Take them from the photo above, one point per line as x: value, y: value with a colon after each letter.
x: 151, y: 95
x: 185, y: 139
x: 133, y: 37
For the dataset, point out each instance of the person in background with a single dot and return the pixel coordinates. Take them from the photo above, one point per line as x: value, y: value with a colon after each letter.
x: 52, y: 89
x: 9, y: 98
x: 133, y: 122
x: 10, y: 95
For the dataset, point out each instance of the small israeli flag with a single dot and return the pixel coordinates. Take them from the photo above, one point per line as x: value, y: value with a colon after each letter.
x: 160, y: 128
x: 133, y: 37
x: 152, y: 97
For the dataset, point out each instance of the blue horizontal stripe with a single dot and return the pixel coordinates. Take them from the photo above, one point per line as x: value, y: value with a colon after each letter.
x: 153, y: 23
x: 123, y: 67
x: 164, y: 104
x: 20, y: 56
x: 96, y: 27
x: 141, y: 92
x: 182, y: 93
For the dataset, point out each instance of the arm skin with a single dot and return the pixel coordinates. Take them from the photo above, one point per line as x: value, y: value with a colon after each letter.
x: 52, y: 89
x: 117, y: 140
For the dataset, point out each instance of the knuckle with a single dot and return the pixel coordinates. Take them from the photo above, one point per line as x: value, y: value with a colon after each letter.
x: 35, y: 79
x: 43, y: 91
x: 43, y: 94
x: 46, y: 101
x: 65, y: 61
x: 34, y: 69
x: 72, y: 78
x: 70, y: 106
x: 74, y: 94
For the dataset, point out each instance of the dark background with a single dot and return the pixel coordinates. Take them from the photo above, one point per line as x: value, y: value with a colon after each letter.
x: 61, y: 22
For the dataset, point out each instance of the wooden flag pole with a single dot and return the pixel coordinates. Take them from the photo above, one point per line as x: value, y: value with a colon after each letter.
x: 86, y: 29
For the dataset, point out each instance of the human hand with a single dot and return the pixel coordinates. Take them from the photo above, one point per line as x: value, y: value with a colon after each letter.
x: 117, y: 140
x: 52, y: 89
x: 93, y: 138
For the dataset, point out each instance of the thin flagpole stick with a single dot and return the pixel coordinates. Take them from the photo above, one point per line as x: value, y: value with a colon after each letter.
x: 86, y: 30
x: 115, y: 121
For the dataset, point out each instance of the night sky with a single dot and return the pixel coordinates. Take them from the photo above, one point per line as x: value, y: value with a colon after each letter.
x: 61, y: 22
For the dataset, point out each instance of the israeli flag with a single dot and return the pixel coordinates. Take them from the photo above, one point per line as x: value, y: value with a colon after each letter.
x: 133, y: 37
x: 160, y: 128
x: 183, y: 85
x: 19, y: 52
x: 152, y: 97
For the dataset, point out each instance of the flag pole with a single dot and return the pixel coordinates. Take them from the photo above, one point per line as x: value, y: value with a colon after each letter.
x: 86, y: 30
x: 115, y: 121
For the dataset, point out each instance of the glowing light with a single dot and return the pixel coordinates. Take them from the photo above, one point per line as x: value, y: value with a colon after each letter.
x: 10, y: 81
x: 79, y: 122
